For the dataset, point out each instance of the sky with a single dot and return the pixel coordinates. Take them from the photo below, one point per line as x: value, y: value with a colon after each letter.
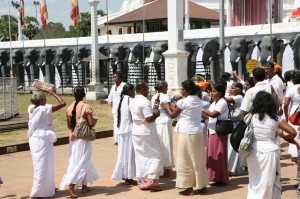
x: 58, y: 10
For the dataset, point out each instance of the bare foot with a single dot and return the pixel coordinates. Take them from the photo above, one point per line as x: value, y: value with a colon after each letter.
x: 85, y: 189
x: 71, y: 192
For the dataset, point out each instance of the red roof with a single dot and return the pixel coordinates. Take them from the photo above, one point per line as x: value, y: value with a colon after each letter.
x: 158, y: 10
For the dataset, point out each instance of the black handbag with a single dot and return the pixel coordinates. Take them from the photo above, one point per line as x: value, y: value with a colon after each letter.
x: 224, y: 127
x: 239, y: 131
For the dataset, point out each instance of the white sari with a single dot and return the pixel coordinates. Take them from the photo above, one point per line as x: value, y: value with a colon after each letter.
x: 41, y: 139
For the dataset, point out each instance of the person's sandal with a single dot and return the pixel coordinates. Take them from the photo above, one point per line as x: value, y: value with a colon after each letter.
x: 85, y: 189
x: 187, y: 192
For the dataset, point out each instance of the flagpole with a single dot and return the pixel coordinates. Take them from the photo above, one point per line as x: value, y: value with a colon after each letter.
x: 144, y: 12
x: 9, y: 28
x: 107, y: 22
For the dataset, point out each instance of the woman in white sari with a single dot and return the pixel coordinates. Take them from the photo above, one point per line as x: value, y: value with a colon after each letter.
x: 80, y: 170
x: 263, y: 161
x: 41, y: 139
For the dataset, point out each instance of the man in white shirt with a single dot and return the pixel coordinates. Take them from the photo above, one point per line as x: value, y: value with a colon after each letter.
x: 145, y: 139
x: 259, y: 76
x: 114, y: 99
x: 274, y: 80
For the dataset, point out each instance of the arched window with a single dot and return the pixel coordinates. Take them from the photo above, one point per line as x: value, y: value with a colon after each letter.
x: 120, y: 31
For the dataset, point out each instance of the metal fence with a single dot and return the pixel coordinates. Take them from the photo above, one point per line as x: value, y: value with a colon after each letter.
x: 8, y: 97
x: 67, y: 76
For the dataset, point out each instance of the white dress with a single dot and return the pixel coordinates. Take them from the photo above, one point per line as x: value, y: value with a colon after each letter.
x: 41, y: 139
x: 125, y: 166
x: 81, y: 170
x: 164, y: 131
x: 145, y: 140
x: 293, y: 94
x: 263, y: 161
x: 114, y: 99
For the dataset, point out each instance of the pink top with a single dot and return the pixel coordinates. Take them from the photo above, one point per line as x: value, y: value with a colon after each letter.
x: 79, y: 106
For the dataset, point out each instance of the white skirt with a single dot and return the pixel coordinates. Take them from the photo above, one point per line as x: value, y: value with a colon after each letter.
x: 264, y: 175
x: 125, y: 166
x: 147, y: 155
x: 164, y: 132
x: 80, y: 170
x: 41, y: 148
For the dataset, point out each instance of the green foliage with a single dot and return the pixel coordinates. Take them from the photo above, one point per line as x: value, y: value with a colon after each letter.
x: 83, y: 28
x: 54, y: 30
x: 31, y: 27
x: 4, y: 27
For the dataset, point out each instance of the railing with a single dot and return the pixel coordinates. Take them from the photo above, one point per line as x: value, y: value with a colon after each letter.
x: 8, y: 97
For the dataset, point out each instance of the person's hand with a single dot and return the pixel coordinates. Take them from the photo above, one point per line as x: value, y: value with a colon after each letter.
x: 163, y: 105
x: 156, y: 112
x: 72, y: 137
x: 234, y: 74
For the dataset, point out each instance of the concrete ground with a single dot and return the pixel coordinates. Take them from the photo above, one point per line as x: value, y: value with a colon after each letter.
x: 17, y: 173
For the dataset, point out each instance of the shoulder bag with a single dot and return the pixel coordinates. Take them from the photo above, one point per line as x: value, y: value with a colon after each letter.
x: 224, y: 127
x: 245, y: 145
x: 237, y: 114
x: 239, y: 131
x: 295, y: 117
x: 82, y: 129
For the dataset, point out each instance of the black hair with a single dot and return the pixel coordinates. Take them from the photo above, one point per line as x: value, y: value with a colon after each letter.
x: 79, y: 94
x: 241, y: 87
x: 219, y: 86
x: 296, y: 77
x: 264, y: 103
x: 118, y: 74
x: 269, y: 64
x: 126, y: 89
x: 287, y: 76
x: 251, y: 82
x: 190, y: 87
x: 140, y: 85
x: 226, y: 76
x: 159, y: 85
x: 259, y: 74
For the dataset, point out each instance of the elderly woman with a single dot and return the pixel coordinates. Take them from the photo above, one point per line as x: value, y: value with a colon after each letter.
x: 263, y: 161
x: 164, y: 126
x: 216, y: 145
x: 80, y: 170
x: 41, y: 139
x: 191, y: 168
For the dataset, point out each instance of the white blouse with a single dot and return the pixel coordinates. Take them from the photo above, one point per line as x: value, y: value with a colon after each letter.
x: 222, y: 107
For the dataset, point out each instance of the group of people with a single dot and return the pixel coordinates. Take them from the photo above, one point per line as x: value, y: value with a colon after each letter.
x: 42, y: 136
x: 143, y: 134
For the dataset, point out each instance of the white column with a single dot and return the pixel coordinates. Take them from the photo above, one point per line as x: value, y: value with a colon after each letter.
x: 95, y: 87
x: 187, y: 15
x: 175, y: 56
x: 229, y: 13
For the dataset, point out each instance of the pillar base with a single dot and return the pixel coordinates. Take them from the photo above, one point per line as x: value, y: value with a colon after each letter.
x: 175, y: 68
x: 95, y: 92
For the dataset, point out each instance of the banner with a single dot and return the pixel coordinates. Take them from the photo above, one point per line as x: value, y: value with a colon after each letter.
x: 22, y: 21
x: 43, y: 13
x: 74, y: 12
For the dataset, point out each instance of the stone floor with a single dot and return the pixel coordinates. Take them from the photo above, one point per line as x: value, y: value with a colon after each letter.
x: 17, y: 173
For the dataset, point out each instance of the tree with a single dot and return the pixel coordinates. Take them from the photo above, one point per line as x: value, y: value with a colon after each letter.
x: 4, y: 28
x: 31, y: 27
x: 83, y: 28
x: 54, y: 30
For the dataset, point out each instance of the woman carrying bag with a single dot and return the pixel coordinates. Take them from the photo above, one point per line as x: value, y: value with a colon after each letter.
x: 216, y: 144
x: 80, y: 170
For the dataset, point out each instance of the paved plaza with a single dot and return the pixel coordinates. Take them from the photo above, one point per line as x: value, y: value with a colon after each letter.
x: 17, y: 172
